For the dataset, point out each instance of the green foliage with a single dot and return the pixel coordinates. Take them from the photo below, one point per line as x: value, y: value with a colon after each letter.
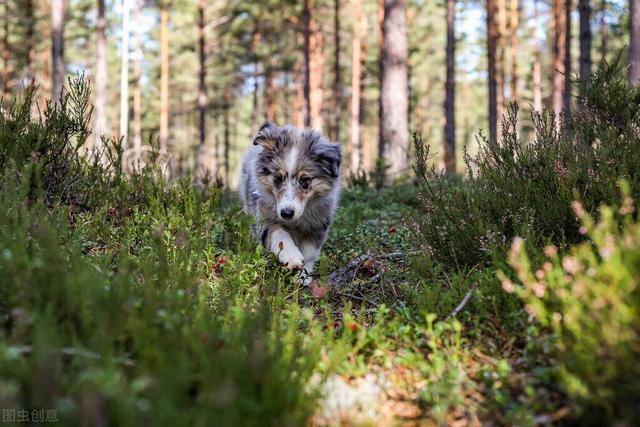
x: 590, y: 300
x: 525, y: 189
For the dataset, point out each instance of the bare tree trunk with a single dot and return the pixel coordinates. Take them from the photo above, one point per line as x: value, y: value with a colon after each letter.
x: 491, y: 56
x: 164, y: 81
x: 30, y: 40
x: 100, y: 126
x: 256, y: 86
x: 584, y: 6
x: 559, y: 53
x: 355, y: 148
x: 450, y: 91
x: 603, y: 31
x: 537, y: 68
x: 500, y: 60
x: 567, y: 58
x: 514, y: 23
x: 394, y: 90
x: 337, y: 72
x: 634, y: 45
x: 299, y: 104
x: 6, y: 52
x: 227, y: 107
x: 202, y: 162
x: 316, y: 47
x: 306, y: 18
x: 270, y: 100
x: 124, y: 76
x: 137, y: 88
x: 57, y: 48
x: 380, y: 41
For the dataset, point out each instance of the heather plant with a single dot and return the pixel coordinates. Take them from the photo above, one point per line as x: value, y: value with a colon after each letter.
x: 589, y: 300
x: 520, y: 188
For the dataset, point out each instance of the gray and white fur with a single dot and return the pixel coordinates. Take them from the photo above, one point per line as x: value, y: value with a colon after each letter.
x: 291, y: 182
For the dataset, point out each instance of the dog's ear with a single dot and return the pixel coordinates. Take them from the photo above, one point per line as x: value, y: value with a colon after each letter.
x: 329, y: 156
x: 268, y: 136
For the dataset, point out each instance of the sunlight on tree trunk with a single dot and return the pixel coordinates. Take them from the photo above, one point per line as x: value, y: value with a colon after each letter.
x: 559, y: 53
x: 492, y: 72
x: 394, y: 90
x: 100, y: 126
x: 514, y: 23
x: 450, y: 90
x: 634, y: 45
x: 57, y: 48
x: 537, y: 59
x: 137, y: 81
x: 316, y: 74
x: 124, y: 76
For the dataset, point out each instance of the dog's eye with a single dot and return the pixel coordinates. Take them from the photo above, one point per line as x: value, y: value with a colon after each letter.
x: 278, y: 178
x: 305, y: 182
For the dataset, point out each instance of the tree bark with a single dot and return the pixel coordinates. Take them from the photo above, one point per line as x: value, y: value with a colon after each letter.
x: 450, y: 91
x: 316, y: 46
x: 559, y: 53
x: 514, y: 23
x: 137, y: 88
x: 164, y: 80
x: 226, y: 97
x: 394, y: 90
x: 57, y: 48
x: 567, y: 58
x: 584, y: 7
x: 306, y: 18
x: 202, y: 162
x: 603, y: 31
x: 30, y: 40
x: 337, y: 72
x: 100, y: 126
x: 491, y: 59
x: 256, y: 86
x: 355, y: 148
x: 124, y: 76
x: 500, y: 61
x: 634, y: 44
x: 270, y: 99
x: 537, y: 68
x: 6, y: 52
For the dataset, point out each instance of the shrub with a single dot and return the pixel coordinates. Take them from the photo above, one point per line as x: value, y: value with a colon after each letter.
x: 525, y: 189
x: 590, y: 300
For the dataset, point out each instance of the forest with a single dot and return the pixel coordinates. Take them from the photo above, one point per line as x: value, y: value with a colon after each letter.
x: 482, y: 267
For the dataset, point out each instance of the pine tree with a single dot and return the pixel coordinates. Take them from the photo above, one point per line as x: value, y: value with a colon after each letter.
x: 492, y: 72
x: 634, y: 44
x: 449, y: 103
x: 57, y: 47
x: 100, y: 126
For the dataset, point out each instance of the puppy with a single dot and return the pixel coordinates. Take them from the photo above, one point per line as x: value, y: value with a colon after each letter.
x: 291, y: 182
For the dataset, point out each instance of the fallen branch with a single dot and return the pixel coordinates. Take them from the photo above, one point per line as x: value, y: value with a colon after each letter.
x: 348, y: 273
x: 464, y: 302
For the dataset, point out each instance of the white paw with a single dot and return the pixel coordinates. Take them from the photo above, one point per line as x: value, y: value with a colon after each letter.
x: 291, y: 258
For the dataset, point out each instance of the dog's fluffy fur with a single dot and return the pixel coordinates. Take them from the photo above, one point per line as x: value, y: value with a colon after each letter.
x: 290, y: 182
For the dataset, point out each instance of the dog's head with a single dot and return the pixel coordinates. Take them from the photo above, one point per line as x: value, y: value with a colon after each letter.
x: 296, y: 166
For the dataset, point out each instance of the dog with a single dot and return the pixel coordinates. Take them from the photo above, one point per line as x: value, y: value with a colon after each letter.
x: 290, y: 183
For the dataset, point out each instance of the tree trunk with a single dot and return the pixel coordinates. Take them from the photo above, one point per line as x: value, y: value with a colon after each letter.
x: 100, y: 126
x: 394, y: 90
x: 316, y: 74
x: 337, y: 72
x: 270, y: 100
x: 603, y: 30
x: 380, y: 41
x: 584, y: 7
x: 355, y: 148
x: 57, y: 48
x: 30, y: 40
x: 202, y: 162
x: 559, y: 53
x: 491, y: 57
x: 567, y: 58
x: 299, y: 103
x: 500, y: 61
x: 537, y: 68
x: 634, y: 45
x: 450, y: 91
x: 6, y: 52
x: 124, y: 76
x: 137, y: 88
x: 164, y: 80
x: 226, y: 96
x: 256, y: 86
x: 306, y: 18
x: 514, y: 23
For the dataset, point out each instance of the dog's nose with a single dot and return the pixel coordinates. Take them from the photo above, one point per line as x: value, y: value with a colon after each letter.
x: 286, y: 213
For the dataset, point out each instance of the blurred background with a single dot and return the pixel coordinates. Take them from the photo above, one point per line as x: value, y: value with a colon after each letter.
x: 197, y: 77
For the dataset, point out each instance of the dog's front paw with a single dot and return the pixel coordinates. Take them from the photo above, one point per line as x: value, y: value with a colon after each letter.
x: 291, y: 258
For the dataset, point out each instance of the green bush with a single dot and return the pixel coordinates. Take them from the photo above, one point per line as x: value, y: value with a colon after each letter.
x: 525, y: 189
x: 590, y: 301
